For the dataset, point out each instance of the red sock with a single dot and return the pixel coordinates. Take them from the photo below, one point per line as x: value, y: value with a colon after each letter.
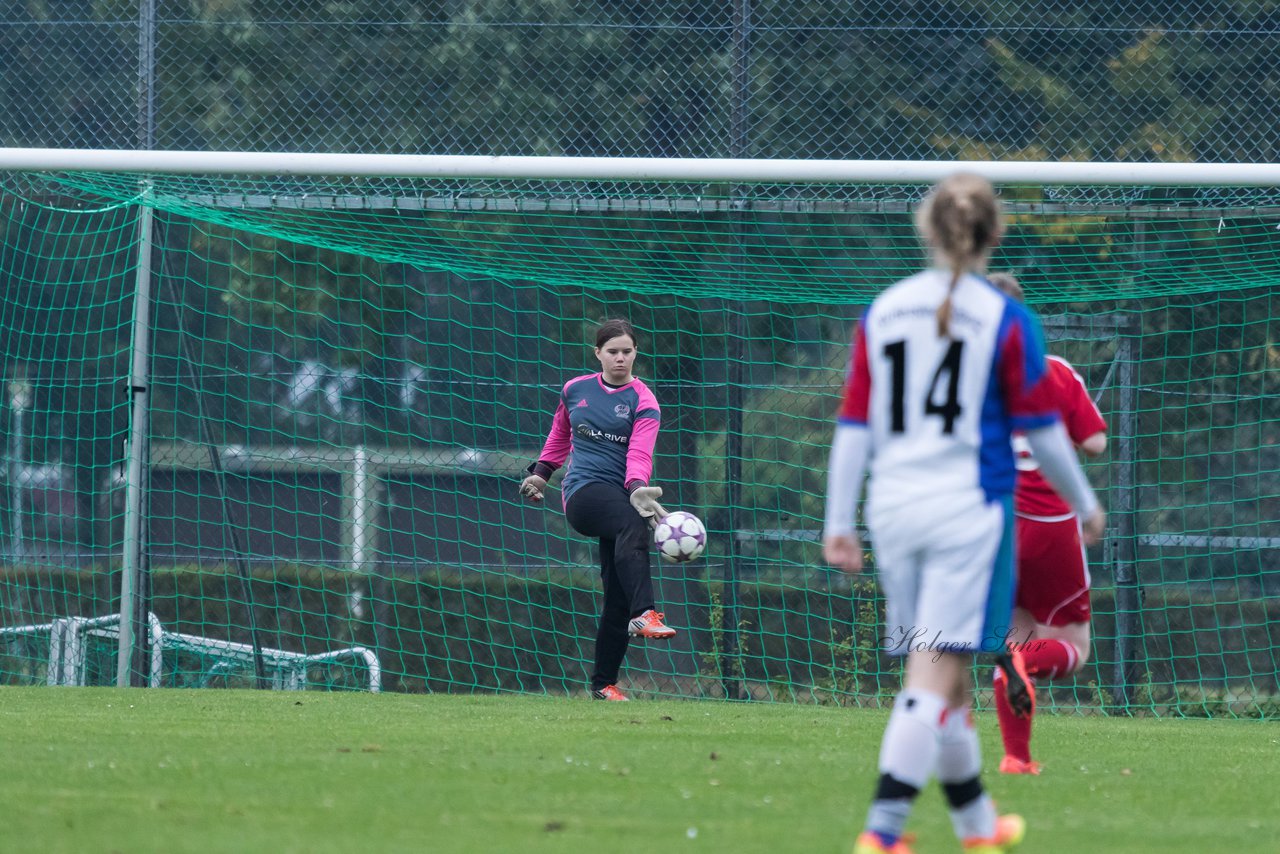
x: 1049, y: 657
x: 1015, y: 732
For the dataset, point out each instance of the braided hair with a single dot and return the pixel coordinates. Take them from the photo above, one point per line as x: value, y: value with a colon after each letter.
x: 960, y: 221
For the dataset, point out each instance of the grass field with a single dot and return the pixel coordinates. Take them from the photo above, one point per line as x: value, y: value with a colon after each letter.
x: 103, y: 770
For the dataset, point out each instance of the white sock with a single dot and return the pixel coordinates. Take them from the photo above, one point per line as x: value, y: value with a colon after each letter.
x: 908, y: 755
x: 959, y: 755
x: 959, y: 767
x: 909, y: 751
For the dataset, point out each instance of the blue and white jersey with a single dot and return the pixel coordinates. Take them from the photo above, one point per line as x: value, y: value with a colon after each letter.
x: 941, y: 410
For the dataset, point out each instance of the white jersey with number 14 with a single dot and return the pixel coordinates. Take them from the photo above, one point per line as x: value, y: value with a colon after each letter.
x: 941, y: 410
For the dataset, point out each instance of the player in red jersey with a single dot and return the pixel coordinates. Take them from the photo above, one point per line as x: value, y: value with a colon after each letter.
x: 1051, y: 613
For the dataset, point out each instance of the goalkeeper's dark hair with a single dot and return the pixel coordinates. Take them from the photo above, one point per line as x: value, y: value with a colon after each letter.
x: 613, y: 328
x: 960, y: 220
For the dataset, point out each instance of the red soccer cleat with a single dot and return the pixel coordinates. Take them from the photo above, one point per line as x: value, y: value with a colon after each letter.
x: 611, y: 693
x: 1014, y: 765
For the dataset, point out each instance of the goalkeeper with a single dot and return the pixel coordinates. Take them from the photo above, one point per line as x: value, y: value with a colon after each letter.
x: 603, y: 433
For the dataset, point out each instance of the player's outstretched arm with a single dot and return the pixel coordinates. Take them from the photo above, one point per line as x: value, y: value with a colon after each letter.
x: 1052, y: 450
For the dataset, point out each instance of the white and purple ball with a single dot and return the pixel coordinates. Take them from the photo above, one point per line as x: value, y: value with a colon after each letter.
x: 680, y: 537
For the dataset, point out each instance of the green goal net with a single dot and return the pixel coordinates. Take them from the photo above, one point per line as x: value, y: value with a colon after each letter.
x: 309, y: 480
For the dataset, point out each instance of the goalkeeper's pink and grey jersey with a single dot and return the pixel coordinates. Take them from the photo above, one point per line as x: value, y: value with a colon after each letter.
x: 941, y: 410
x: 603, y: 434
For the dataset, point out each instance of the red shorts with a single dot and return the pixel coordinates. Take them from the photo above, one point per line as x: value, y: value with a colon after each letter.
x: 1053, y: 578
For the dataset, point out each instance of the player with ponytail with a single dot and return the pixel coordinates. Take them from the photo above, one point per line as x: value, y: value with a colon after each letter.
x: 961, y: 224
x: 944, y: 368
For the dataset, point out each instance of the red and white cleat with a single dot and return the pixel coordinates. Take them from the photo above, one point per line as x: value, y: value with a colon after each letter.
x: 611, y: 693
x: 650, y: 625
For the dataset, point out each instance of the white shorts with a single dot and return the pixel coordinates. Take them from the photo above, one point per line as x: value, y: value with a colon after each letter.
x: 948, y: 577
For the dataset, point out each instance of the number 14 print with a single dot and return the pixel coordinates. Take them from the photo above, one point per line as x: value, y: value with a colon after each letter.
x: 948, y: 372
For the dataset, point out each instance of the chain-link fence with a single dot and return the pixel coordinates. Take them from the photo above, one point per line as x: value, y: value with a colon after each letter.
x: 1111, y: 80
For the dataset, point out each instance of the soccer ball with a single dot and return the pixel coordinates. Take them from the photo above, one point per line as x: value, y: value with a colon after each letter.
x: 680, y: 537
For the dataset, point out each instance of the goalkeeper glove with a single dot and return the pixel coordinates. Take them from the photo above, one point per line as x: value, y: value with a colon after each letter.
x: 645, y: 500
x: 531, y: 487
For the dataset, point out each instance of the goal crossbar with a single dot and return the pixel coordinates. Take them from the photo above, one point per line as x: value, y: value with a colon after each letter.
x: 709, y: 170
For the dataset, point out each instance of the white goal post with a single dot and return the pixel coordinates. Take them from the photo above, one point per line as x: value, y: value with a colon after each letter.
x: 709, y: 170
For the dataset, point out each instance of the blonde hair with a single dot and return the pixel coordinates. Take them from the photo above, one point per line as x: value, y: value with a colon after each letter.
x: 960, y: 221
x: 1007, y: 284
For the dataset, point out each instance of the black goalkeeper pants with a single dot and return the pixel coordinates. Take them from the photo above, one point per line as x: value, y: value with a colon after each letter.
x: 604, y: 511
